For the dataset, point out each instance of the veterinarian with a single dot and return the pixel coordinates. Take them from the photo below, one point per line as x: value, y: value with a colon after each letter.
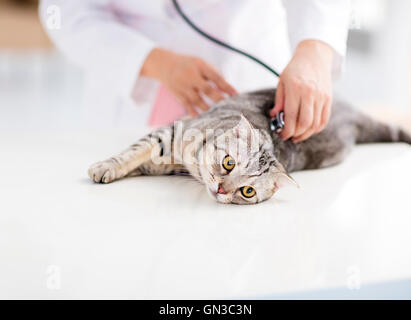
x: 142, y: 49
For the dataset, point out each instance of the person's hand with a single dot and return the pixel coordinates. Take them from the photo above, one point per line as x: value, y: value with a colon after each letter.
x: 304, y: 91
x: 188, y: 78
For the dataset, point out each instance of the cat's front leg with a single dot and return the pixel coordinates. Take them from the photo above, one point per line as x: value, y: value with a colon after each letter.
x: 105, y: 171
x: 153, y: 145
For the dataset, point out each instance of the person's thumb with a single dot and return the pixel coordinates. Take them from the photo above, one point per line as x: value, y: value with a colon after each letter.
x: 279, y: 100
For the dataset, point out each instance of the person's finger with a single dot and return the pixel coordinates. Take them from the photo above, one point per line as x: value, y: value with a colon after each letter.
x: 200, y: 103
x: 326, y: 113
x: 188, y: 106
x: 196, y: 100
x: 305, y: 115
x: 207, y: 89
x: 279, y: 100
x: 304, y: 136
x: 316, y: 127
x: 291, y: 105
x: 209, y: 73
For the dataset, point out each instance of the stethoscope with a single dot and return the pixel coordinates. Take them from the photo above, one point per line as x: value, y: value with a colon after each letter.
x: 277, y: 123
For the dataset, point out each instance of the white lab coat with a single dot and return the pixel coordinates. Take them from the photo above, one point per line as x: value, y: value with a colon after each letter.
x: 110, y: 40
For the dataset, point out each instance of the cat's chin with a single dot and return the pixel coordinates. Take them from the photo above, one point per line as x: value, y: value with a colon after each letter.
x: 220, y: 200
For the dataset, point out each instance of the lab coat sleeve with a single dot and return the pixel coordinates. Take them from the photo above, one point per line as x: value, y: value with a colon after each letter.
x: 324, y: 20
x: 91, y: 35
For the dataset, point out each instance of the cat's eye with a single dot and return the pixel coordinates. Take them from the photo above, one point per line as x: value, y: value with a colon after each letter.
x: 248, y: 191
x: 228, y: 163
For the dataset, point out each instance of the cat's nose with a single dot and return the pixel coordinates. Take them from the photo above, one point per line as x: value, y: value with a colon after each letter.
x: 221, y: 189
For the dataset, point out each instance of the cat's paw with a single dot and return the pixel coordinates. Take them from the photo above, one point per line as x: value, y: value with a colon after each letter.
x: 102, y: 172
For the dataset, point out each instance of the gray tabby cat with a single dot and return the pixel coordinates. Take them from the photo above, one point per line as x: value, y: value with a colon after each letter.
x: 233, y: 152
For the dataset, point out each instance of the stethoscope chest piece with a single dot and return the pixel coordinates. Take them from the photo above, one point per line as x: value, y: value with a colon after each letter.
x: 277, y: 123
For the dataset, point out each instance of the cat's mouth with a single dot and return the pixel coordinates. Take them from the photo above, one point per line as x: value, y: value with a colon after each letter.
x: 216, y: 191
x: 219, y: 194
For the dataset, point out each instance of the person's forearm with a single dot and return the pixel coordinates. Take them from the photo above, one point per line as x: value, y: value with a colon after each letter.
x: 322, y: 20
x: 318, y: 50
x: 157, y: 63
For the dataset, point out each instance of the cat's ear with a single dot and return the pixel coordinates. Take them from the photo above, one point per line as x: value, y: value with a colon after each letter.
x: 243, y: 126
x: 282, y: 177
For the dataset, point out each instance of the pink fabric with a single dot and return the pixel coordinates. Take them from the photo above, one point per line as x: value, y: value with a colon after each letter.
x: 166, y: 108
